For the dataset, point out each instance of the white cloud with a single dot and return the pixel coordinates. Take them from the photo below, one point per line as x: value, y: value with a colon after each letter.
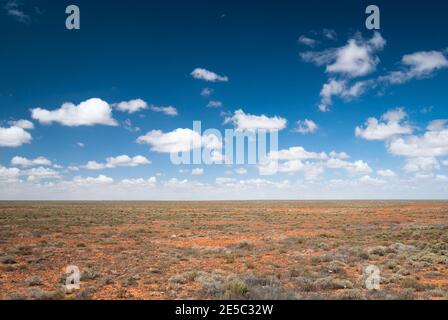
x: 306, y: 126
x: 225, y: 181
x: 120, y: 161
x: 131, y: 106
x: 206, y: 75
x: 392, y: 126
x: 24, y: 124
x: 357, y: 58
x: 311, y: 170
x: 437, y: 125
x: 248, y: 122
x: 80, y: 144
x: 175, y: 141
x: 249, y: 183
x: 416, y: 66
x: 339, y: 88
x: 422, y: 186
x: 386, y: 173
x: 41, y: 173
x: 169, y: 110
x: 93, y: 165
x: 425, y: 62
x: 127, y: 124
x: 126, y: 161
x: 296, y: 153
x: 197, y: 171
x: 312, y: 164
x: 185, y: 184
x: 8, y: 173
x: 339, y: 155
x: 307, y: 41
x: 214, y: 104
x: 421, y: 164
x: 430, y: 144
x: 101, y: 179
x: 357, y: 167
x: 136, y: 105
x: 14, y: 137
x: 179, y: 140
x: 24, y: 162
x: 88, y: 113
x: 329, y: 34
x: 256, y: 182
x: 421, y: 152
x: 441, y: 178
x: 207, y: 92
x: 151, y: 182
x: 369, y: 180
x: 445, y: 162
x: 13, y: 9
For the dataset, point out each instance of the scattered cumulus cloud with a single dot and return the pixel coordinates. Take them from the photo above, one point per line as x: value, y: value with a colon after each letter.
x: 131, y: 106
x: 369, y: 180
x: 420, y: 164
x: 417, y: 65
x: 120, y: 161
x: 88, y: 113
x: 24, y: 162
x: 41, y: 173
x: 387, y: 173
x: 248, y: 122
x: 178, y: 140
x: 433, y: 143
x: 357, y: 167
x: 306, y: 126
x: 421, y: 152
x: 214, y: 104
x: 391, y: 126
x: 307, y: 41
x: 329, y: 34
x: 24, y: 124
x: 207, y: 92
x: 101, y: 179
x: 139, y: 182
x: 14, y: 136
x: 296, y: 153
x: 209, y: 76
x: 341, y: 89
x: 357, y: 58
x: 168, y: 110
x: 339, y: 155
x: 14, y: 9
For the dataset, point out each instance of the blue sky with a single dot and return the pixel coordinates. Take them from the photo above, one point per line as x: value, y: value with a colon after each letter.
x: 360, y: 112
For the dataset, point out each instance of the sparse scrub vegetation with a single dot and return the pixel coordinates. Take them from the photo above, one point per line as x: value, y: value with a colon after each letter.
x: 232, y: 250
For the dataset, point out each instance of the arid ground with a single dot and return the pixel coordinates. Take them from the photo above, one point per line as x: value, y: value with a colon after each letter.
x: 224, y: 250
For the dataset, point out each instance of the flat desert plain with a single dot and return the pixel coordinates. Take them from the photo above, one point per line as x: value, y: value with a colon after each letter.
x: 224, y: 250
